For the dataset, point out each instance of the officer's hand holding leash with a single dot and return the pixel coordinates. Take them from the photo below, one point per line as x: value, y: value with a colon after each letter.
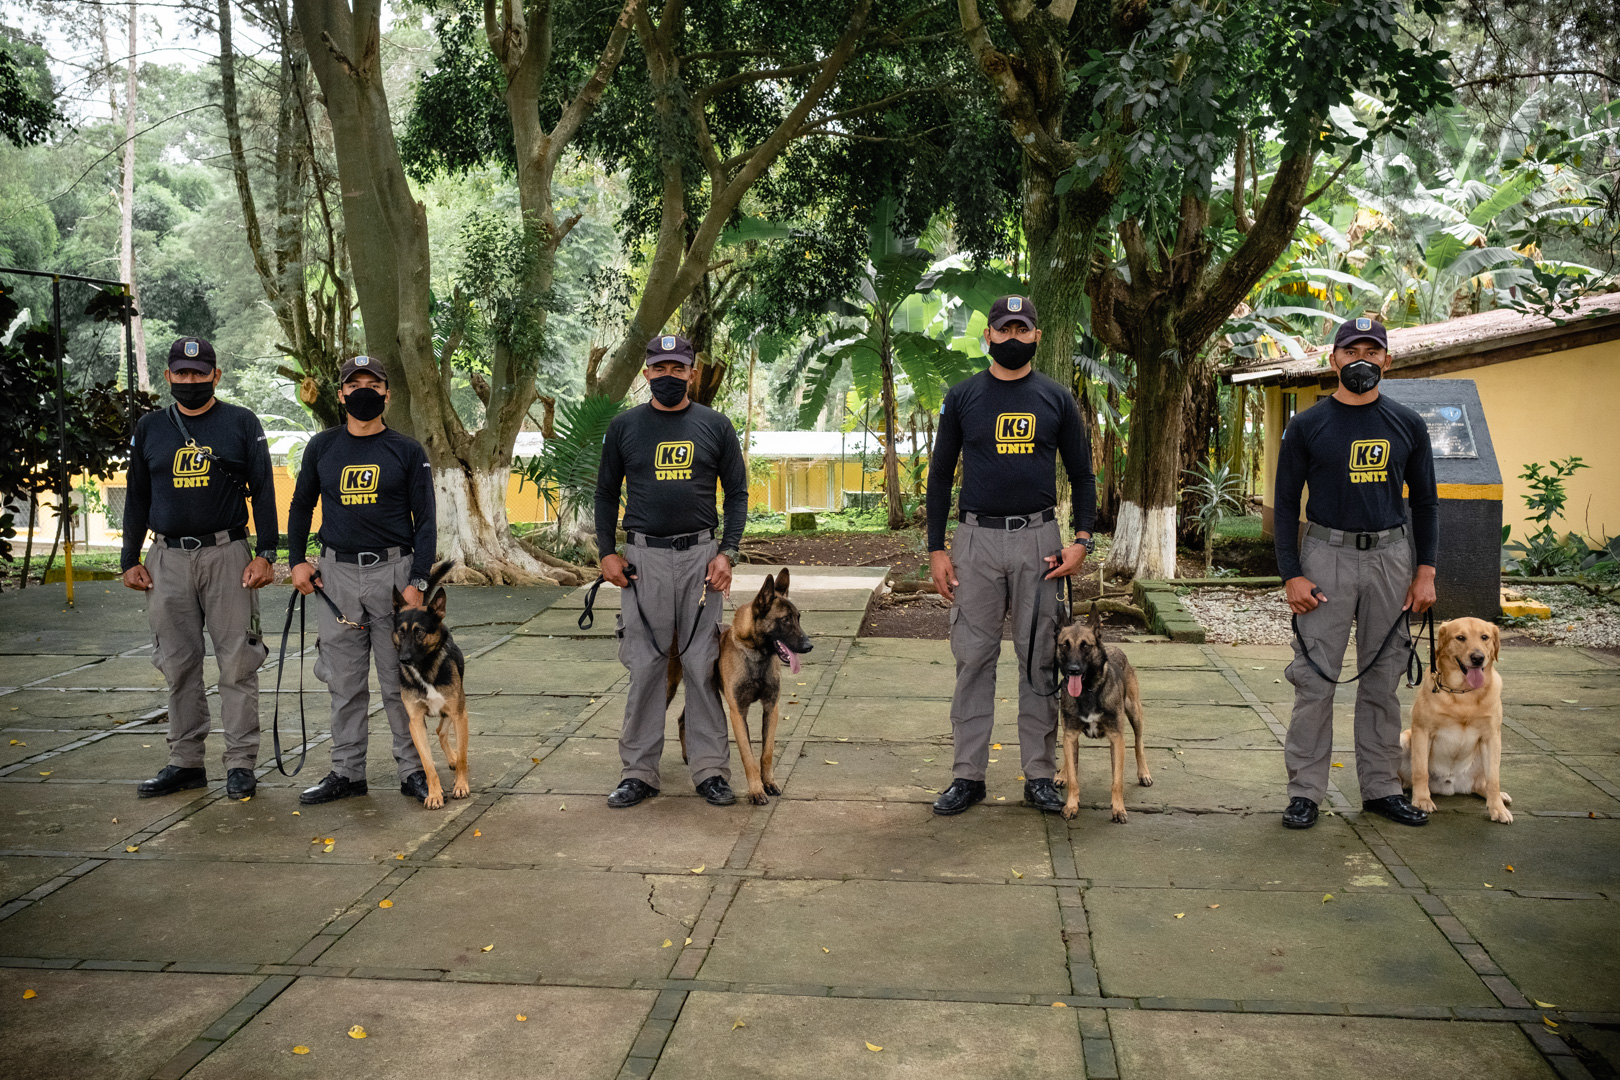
x: 718, y: 574
x: 1420, y: 594
x: 1068, y: 563
x: 137, y: 578
x: 943, y: 573
x: 258, y: 573
x: 615, y: 569
x: 1303, y: 595
x: 304, y: 578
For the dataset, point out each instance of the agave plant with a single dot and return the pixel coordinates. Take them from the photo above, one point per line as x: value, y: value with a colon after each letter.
x: 1217, y: 494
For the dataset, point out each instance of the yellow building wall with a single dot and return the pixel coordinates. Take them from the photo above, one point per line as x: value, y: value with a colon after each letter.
x: 1551, y: 406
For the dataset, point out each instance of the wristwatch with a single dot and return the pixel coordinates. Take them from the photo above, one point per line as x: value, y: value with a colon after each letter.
x: 419, y: 584
x: 1090, y: 544
x: 731, y: 555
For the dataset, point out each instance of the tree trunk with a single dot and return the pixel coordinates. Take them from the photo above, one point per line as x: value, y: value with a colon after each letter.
x: 1144, y: 543
x: 1060, y: 243
x: 891, y: 429
x: 474, y: 531
x: 143, y: 378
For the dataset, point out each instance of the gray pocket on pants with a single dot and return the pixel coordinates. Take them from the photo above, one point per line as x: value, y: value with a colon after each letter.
x: 321, y: 671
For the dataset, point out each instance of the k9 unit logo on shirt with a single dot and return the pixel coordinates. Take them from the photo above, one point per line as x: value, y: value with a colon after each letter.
x: 1015, y: 433
x: 191, y: 467
x: 673, y: 461
x: 1369, y: 461
x: 358, y: 484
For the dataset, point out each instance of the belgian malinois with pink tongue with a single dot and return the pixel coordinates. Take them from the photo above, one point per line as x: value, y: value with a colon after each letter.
x: 1099, y: 694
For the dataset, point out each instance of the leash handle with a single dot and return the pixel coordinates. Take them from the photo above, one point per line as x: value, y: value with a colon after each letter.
x: 1062, y: 606
x: 295, y: 600
x: 587, y: 618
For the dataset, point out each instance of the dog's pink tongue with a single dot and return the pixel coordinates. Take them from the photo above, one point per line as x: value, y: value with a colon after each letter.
x: 1077, y: 684
x: 1475, y: 677
x: 793, y: 661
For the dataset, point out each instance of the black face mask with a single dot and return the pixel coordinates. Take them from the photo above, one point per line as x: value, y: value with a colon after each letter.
x: 192, y: 395
x: 1360, y: 376
x: 1012, y: 354
x: 668, y: 389
x: 364, y: 404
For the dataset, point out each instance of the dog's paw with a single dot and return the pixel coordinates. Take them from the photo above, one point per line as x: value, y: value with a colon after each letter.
x: 1071, y: 811
x: 758, y: 798
x: 461, y: 790
x: 1425, y: 804
x: 1145, y: 780
x: 1503, y: 815
x: 772, y: 789
x: 1119, y: 815
x: 1507, y: 799
x: 1060, y: 780
x: 434, y: 801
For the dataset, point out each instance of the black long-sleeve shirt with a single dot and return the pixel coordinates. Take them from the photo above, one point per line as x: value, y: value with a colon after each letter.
x: 1356, y: 459
x: 669, y: 462
x: 1008, y: 434
x: 376, y: 492
x: 176, y: 492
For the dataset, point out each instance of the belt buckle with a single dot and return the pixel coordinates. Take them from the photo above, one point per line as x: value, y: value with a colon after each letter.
x: 360, y: 558
x: 681, y: 543
x: 1022, y: 519
x: 1366, y: 541
x: 196, y: 543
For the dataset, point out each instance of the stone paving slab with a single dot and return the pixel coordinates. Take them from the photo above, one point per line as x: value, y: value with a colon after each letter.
x: 1605, y: 765
x: 901, y: 719
x: 434, y: 1029
x: 231, y: 912
x: 17, y: 670
x: 1592, y: 688
x: 1235, y: 850
x: 1560, y: 951
x: 19, y: 875
x: 825, y: 839
x: 131, y: 757
x: 1226, y: 727
x: 79, y: 708
x: 1290, y: 946
x: 1536, y: 781
x: 582, y: 766
x: 934, y: 936
x: 892, y: 771
x: 1151, y: 1045
x: 79, y: 817
x: 552, y: 676
x: 123, y: 671
x: 1217, y: 780
x: 1551, y: 659
x: 524, y: 714
x: 84, y: 640
x: 815, y: 1038
x: 1594, y: 730
x: 556, y: 832
x: 103, y: 1024
x: 1468, y: 851
x: 18, y: 744
x: 594, y: 927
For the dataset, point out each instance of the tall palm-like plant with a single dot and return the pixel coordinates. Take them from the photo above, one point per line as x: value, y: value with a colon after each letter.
x: 1216, y: 493
x: 565, y: 470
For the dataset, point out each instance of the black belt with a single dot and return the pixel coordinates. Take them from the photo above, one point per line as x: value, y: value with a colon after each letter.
x: 192, y: 543
x: 371, y: 558
x: 1011, y: 523
x: 1361, y: 541
x: 679, y: 543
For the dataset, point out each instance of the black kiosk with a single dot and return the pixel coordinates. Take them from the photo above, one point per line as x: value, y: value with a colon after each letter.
x: 1468, y: 574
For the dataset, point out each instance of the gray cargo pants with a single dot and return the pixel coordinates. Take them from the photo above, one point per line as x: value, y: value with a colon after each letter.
x: 192, y: 589
x: 668, y: 586
x: 1368, y: 587
x: 365, y: 595
x: 1001, y: 571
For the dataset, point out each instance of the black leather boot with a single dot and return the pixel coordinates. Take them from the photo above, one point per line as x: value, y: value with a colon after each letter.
x: 1301, y: 813
x: 958, y: 797
x: 171, y: 779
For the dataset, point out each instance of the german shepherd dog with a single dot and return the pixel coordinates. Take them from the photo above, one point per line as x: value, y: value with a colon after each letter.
x: 762, y: 633
x: 1099, y: 694
x: 430, y: 681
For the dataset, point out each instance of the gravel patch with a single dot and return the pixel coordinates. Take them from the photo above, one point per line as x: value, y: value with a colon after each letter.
x: 1240, y: 616
x: 1578, y: 617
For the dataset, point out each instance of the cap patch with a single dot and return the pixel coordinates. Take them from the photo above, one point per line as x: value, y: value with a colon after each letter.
x: 191, y: 348
x: 1363, y: 324
x: 362, y: 361
x: 669, y: 341
x: 1015, y: 303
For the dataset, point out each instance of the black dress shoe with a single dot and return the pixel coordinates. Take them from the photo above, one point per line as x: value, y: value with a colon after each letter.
x: 241, y: 783
x: 629, y: 792
x: 331, y: 788
x: 1301, y: 813
x: 958, y: 797
x: 717, y: 791
x: 1043, y: 795
x: 415, y: 785
x: 1397, y: 808
x: 172, y: 779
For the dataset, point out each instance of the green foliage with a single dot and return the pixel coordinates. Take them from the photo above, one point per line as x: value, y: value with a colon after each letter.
x: 1548, y: 552
x: 27, y: 106
x: 1216, y: 494
x: 566, y: 469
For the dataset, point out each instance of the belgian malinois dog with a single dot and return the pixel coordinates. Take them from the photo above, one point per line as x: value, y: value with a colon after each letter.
x: 762, y: 633
x: 430, y: 672
x: 1099, y: 694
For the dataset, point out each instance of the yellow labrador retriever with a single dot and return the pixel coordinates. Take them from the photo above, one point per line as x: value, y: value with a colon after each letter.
x: 1454, y: 746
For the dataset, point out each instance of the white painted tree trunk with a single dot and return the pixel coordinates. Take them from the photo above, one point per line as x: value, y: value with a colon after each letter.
x: 1144, y: 544
x: 143, y: 378
x: 473, y: 530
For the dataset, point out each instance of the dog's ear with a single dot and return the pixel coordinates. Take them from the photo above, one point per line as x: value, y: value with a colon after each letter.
x: 399, y: 600
x: 782, y: 581
x: 1096, y: 617
x: 437, y: 604
x: 767, y: 593
x: 1496, y: 643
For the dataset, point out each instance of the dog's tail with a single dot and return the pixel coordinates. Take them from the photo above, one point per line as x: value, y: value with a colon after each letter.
x: 437, y: 575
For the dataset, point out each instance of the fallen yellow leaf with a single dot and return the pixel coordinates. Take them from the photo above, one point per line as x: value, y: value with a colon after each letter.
x: 535, y: 760
x: 1509, y: 869
x: 995, y: 746
x: 739, y: 1022
x: 1548, y: 1022
x: 699, y: 868
x: 328, y: 847
x: 873, y: 1047
x: 357, y: 1032
x: 830, y: 761
x: 132, y: 847
x: 928, y: 759
x: 688, y: 941
x: 486, y: 948
x: 520, y: 1016
x: 385, y: 903
x: 667, y: 943
x: 115, y: 821
x: 1338, y: 765
x: 1212, y: 907
x: 1543, y: 1004
x: 331, y: 840
x: 1060, y: 1004
x: 1181, y: 914
x: 46, y: 772
x: 29, y: 994
x: 825, y: 949
x: 1001, y: 798
x: 1326, y: 897
x: 478, y: 832
x: 14, y: 742
x: 562, y: 806
x: 296, y: 813
x: 1018, y: 873
x: 244, y: 798
x: 994, y: 760
x: 300, y: 1049
x: 399, y: 856
x: 1488, y: 885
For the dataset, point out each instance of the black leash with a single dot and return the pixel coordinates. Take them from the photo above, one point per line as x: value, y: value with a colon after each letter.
x: 587, y: 618
x: 1414, y: 663
x: 1065, y: 607
x: 295, y: 600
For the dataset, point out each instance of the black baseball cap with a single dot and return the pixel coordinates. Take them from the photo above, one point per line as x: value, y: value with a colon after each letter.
x: 1013, y: 309
x: 670, y: 347
x: 192, y: 354
x: 1360, y: 329
x: 363, y: 363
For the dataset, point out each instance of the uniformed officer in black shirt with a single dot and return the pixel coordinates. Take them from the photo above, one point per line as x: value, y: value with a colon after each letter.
x: 670, y: 452
x: 192, y: 469
x: 1008, y: 424
x: 377, y: 535
x: 1356, y: 450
